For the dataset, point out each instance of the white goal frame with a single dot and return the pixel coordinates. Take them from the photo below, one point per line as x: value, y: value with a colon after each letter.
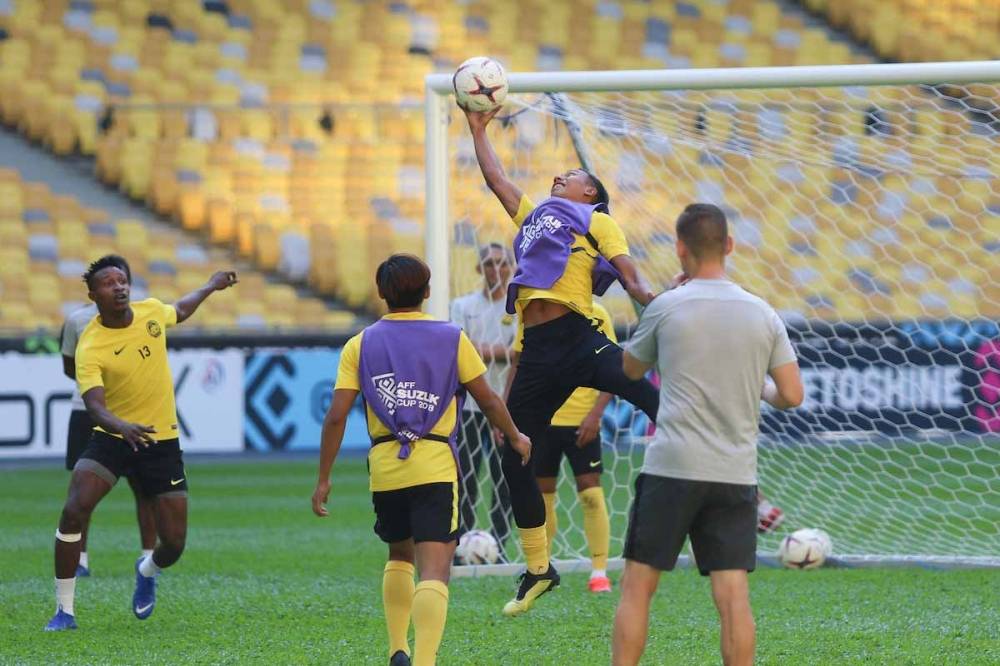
x: 439, y: 95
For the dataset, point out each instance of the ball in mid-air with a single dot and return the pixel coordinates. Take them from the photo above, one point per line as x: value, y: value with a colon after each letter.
x: 805, y: 549
x: 480, y: 84
x: 477, y: 547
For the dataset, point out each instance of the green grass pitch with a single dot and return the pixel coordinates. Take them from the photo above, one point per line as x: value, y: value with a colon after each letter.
x: 263, y: 581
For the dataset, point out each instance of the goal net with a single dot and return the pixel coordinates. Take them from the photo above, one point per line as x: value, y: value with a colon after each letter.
x: 868, y: 215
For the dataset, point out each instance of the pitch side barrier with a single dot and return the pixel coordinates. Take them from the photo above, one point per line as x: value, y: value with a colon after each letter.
x: 235, y: 392
x: 270, y: 392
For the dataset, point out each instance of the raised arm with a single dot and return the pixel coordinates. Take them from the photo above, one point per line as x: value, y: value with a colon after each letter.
x: 506, y: 191
x: 135, y: 434
x: 330, y: 440
x: 786, y: 392
x: 188, y: 304
x: 498, y: 416
x: 634, y: 283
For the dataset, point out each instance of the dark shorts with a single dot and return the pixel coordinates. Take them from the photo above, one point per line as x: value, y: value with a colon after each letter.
x: 720, y: 518
x: 157, y: 470
x: 428, y: 512
x: 560, y: 441
x: 78, y: 436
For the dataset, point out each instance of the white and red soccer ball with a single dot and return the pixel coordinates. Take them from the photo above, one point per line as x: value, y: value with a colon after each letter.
x: 477, y: 547
x: 805, y: 549
x: 480, y: 84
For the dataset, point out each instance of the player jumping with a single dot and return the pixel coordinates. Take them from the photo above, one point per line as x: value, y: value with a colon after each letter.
x: 575, y: 432
x: 567, y: 249
x: 123, y: 375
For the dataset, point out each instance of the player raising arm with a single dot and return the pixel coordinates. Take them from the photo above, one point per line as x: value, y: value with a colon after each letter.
x: 409, y: 369
x: 81, y: 426
x: 123, y: 375
x: 568, y: 248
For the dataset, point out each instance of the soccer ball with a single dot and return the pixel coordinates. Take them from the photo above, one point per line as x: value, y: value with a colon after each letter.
x: 477, y: 547
x: 805, y: 549
x: 480, y: 84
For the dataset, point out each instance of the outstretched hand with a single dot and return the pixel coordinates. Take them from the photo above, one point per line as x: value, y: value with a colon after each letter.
x: 222, y: 280
x: 478, y: 120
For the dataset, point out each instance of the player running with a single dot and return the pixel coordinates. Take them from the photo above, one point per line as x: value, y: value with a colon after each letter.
x: 409, y: 369
x: 81, y: 425
x: 567, y: 249
x: 123, y: 375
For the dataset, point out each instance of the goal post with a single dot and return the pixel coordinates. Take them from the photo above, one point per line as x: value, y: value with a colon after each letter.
x: 865, y: 203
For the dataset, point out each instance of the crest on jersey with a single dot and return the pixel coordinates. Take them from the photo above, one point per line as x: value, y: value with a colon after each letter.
x: 153, y: 329
x: 385, y: 386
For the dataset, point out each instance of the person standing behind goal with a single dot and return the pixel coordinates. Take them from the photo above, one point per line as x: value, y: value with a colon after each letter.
x: 483, y: 316
x: 713, y: 344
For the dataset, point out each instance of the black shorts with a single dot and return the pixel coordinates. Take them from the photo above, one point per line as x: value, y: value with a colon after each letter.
x: 158, y: 469
x: 720, y: 518
x: 428, y: 512
x: 78, y: 436
x: 558, y: 357
x: 560, y: 441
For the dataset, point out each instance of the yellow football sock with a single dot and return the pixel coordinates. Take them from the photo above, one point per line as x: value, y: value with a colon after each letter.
x: 535, y: 544
x: 596, y: 526
x: 551, y: 522
x: 430, y: 612
x: 397, y: 599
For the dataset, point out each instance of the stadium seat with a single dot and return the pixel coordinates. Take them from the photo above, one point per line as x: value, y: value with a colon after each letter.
x: 245, y: 174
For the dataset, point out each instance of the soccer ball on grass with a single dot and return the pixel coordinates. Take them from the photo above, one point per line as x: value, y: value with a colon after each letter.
x: 477, y: 547
x: 480, y: 84
x: 805, y: 549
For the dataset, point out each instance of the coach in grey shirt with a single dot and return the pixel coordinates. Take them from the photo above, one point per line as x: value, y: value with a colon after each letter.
x: 714, y: 344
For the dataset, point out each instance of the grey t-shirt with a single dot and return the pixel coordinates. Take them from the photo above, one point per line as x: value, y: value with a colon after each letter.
x: 75, y: 323
x: 486, y: 322
x: 712, y: 343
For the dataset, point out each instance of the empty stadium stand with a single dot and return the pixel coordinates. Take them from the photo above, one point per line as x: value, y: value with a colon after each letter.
x: 47, y: 240
x: 292, y: 130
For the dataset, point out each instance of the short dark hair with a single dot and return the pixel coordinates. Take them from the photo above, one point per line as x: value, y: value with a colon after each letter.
x: 602, y: 196
x: 107, y: 261
x: 402, y: 280
x: 704, y: 230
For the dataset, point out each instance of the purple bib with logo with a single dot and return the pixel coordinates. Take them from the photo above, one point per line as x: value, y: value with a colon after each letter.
x: 544, y: 242
x: 409, y: 375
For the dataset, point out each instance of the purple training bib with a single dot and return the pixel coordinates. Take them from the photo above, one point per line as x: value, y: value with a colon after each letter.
x: 409, y: 375
x: 544, y: 242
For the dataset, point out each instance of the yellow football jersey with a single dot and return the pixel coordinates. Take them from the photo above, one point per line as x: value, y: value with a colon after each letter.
x: 429, y: 461
x: 578, y: 405
x: 131, y: 364
x: 575, y: 288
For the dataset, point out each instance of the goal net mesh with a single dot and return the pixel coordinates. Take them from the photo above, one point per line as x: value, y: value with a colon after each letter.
x: 869, y: 217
